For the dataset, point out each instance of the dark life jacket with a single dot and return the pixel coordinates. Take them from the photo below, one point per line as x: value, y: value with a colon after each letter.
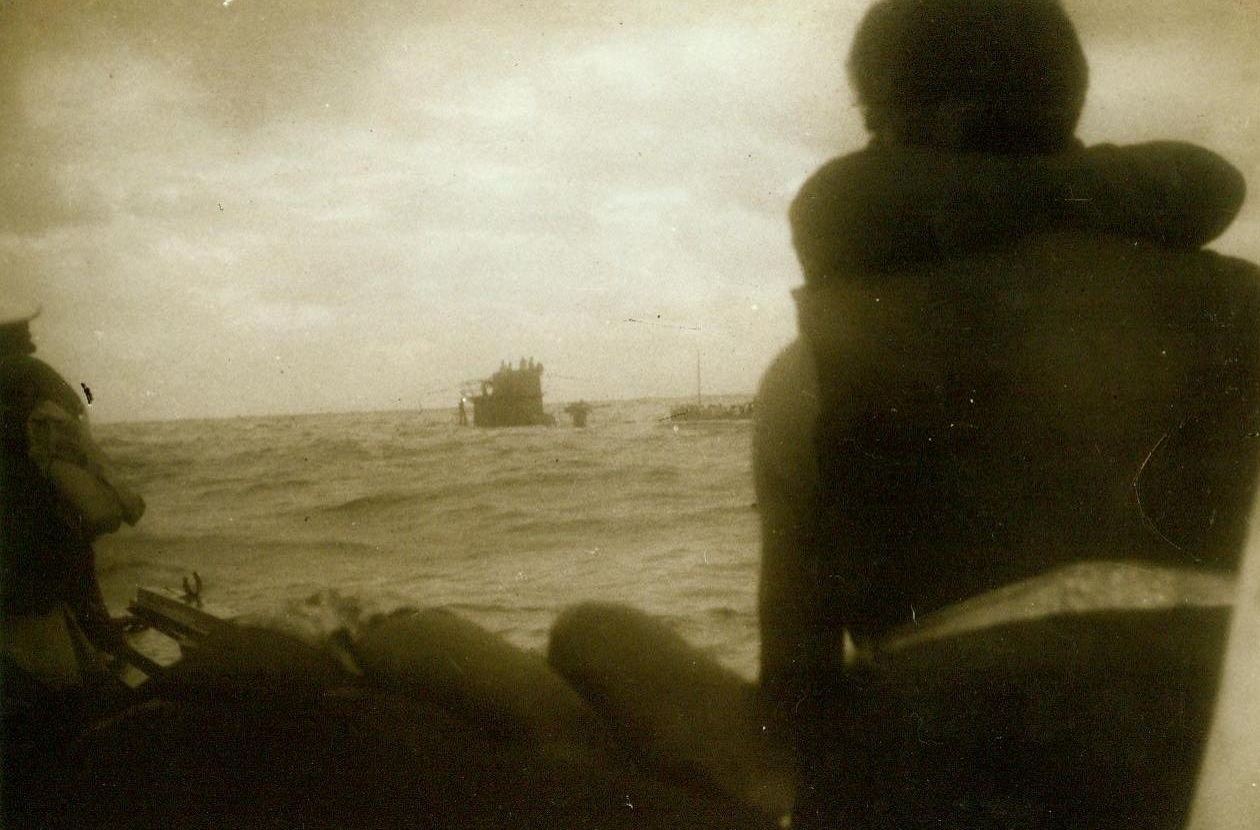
x: 1061, y: 398
x: 44, y: 560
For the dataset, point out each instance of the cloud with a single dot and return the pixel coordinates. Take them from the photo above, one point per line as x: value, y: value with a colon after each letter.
x: 306, y: 204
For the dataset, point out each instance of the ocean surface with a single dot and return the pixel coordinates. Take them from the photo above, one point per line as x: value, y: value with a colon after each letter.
x: 504, y: 526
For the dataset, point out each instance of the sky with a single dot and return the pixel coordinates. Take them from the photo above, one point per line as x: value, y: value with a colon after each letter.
x: 251, y: 207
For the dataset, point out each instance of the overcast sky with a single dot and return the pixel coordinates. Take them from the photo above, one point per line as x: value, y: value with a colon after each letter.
x: 266, y: 206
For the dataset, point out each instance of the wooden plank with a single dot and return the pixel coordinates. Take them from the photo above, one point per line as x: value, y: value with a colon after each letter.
x: 184, y: 622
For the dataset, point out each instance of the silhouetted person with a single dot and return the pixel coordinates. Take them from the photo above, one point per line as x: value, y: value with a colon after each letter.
x: 58, y: 494
x: 1013, y: 358
x: 1020, y: 387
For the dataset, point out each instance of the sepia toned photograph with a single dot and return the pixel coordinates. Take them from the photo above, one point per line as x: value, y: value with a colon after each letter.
x: 625, y: 414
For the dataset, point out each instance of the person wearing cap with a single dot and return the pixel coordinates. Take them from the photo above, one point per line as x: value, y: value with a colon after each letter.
x: 1018, y: 375
x: 59, y: 493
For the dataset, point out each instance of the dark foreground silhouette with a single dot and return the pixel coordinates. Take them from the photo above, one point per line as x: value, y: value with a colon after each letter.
x: 423, y: 719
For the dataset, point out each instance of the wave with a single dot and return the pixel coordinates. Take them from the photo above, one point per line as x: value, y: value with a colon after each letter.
x: 726, y: 612
x: 111, y: 567
x: 499, y: 608
x: 273, y: 509
x: 373, y: 501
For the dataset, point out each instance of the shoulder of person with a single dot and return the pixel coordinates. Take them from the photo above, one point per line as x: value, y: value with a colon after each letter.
x: 787, y: 407
x: 32, y: 376
x: 841, y: 183
x: 789, y: 379
x: 1240, y: 272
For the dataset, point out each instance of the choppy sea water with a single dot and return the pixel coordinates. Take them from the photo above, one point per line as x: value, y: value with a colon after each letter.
x: 504, y: 526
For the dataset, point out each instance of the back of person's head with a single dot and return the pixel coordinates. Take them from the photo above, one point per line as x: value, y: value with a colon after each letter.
x: 16, y: 313
x: 992, y: 76
x: 16, y: 340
